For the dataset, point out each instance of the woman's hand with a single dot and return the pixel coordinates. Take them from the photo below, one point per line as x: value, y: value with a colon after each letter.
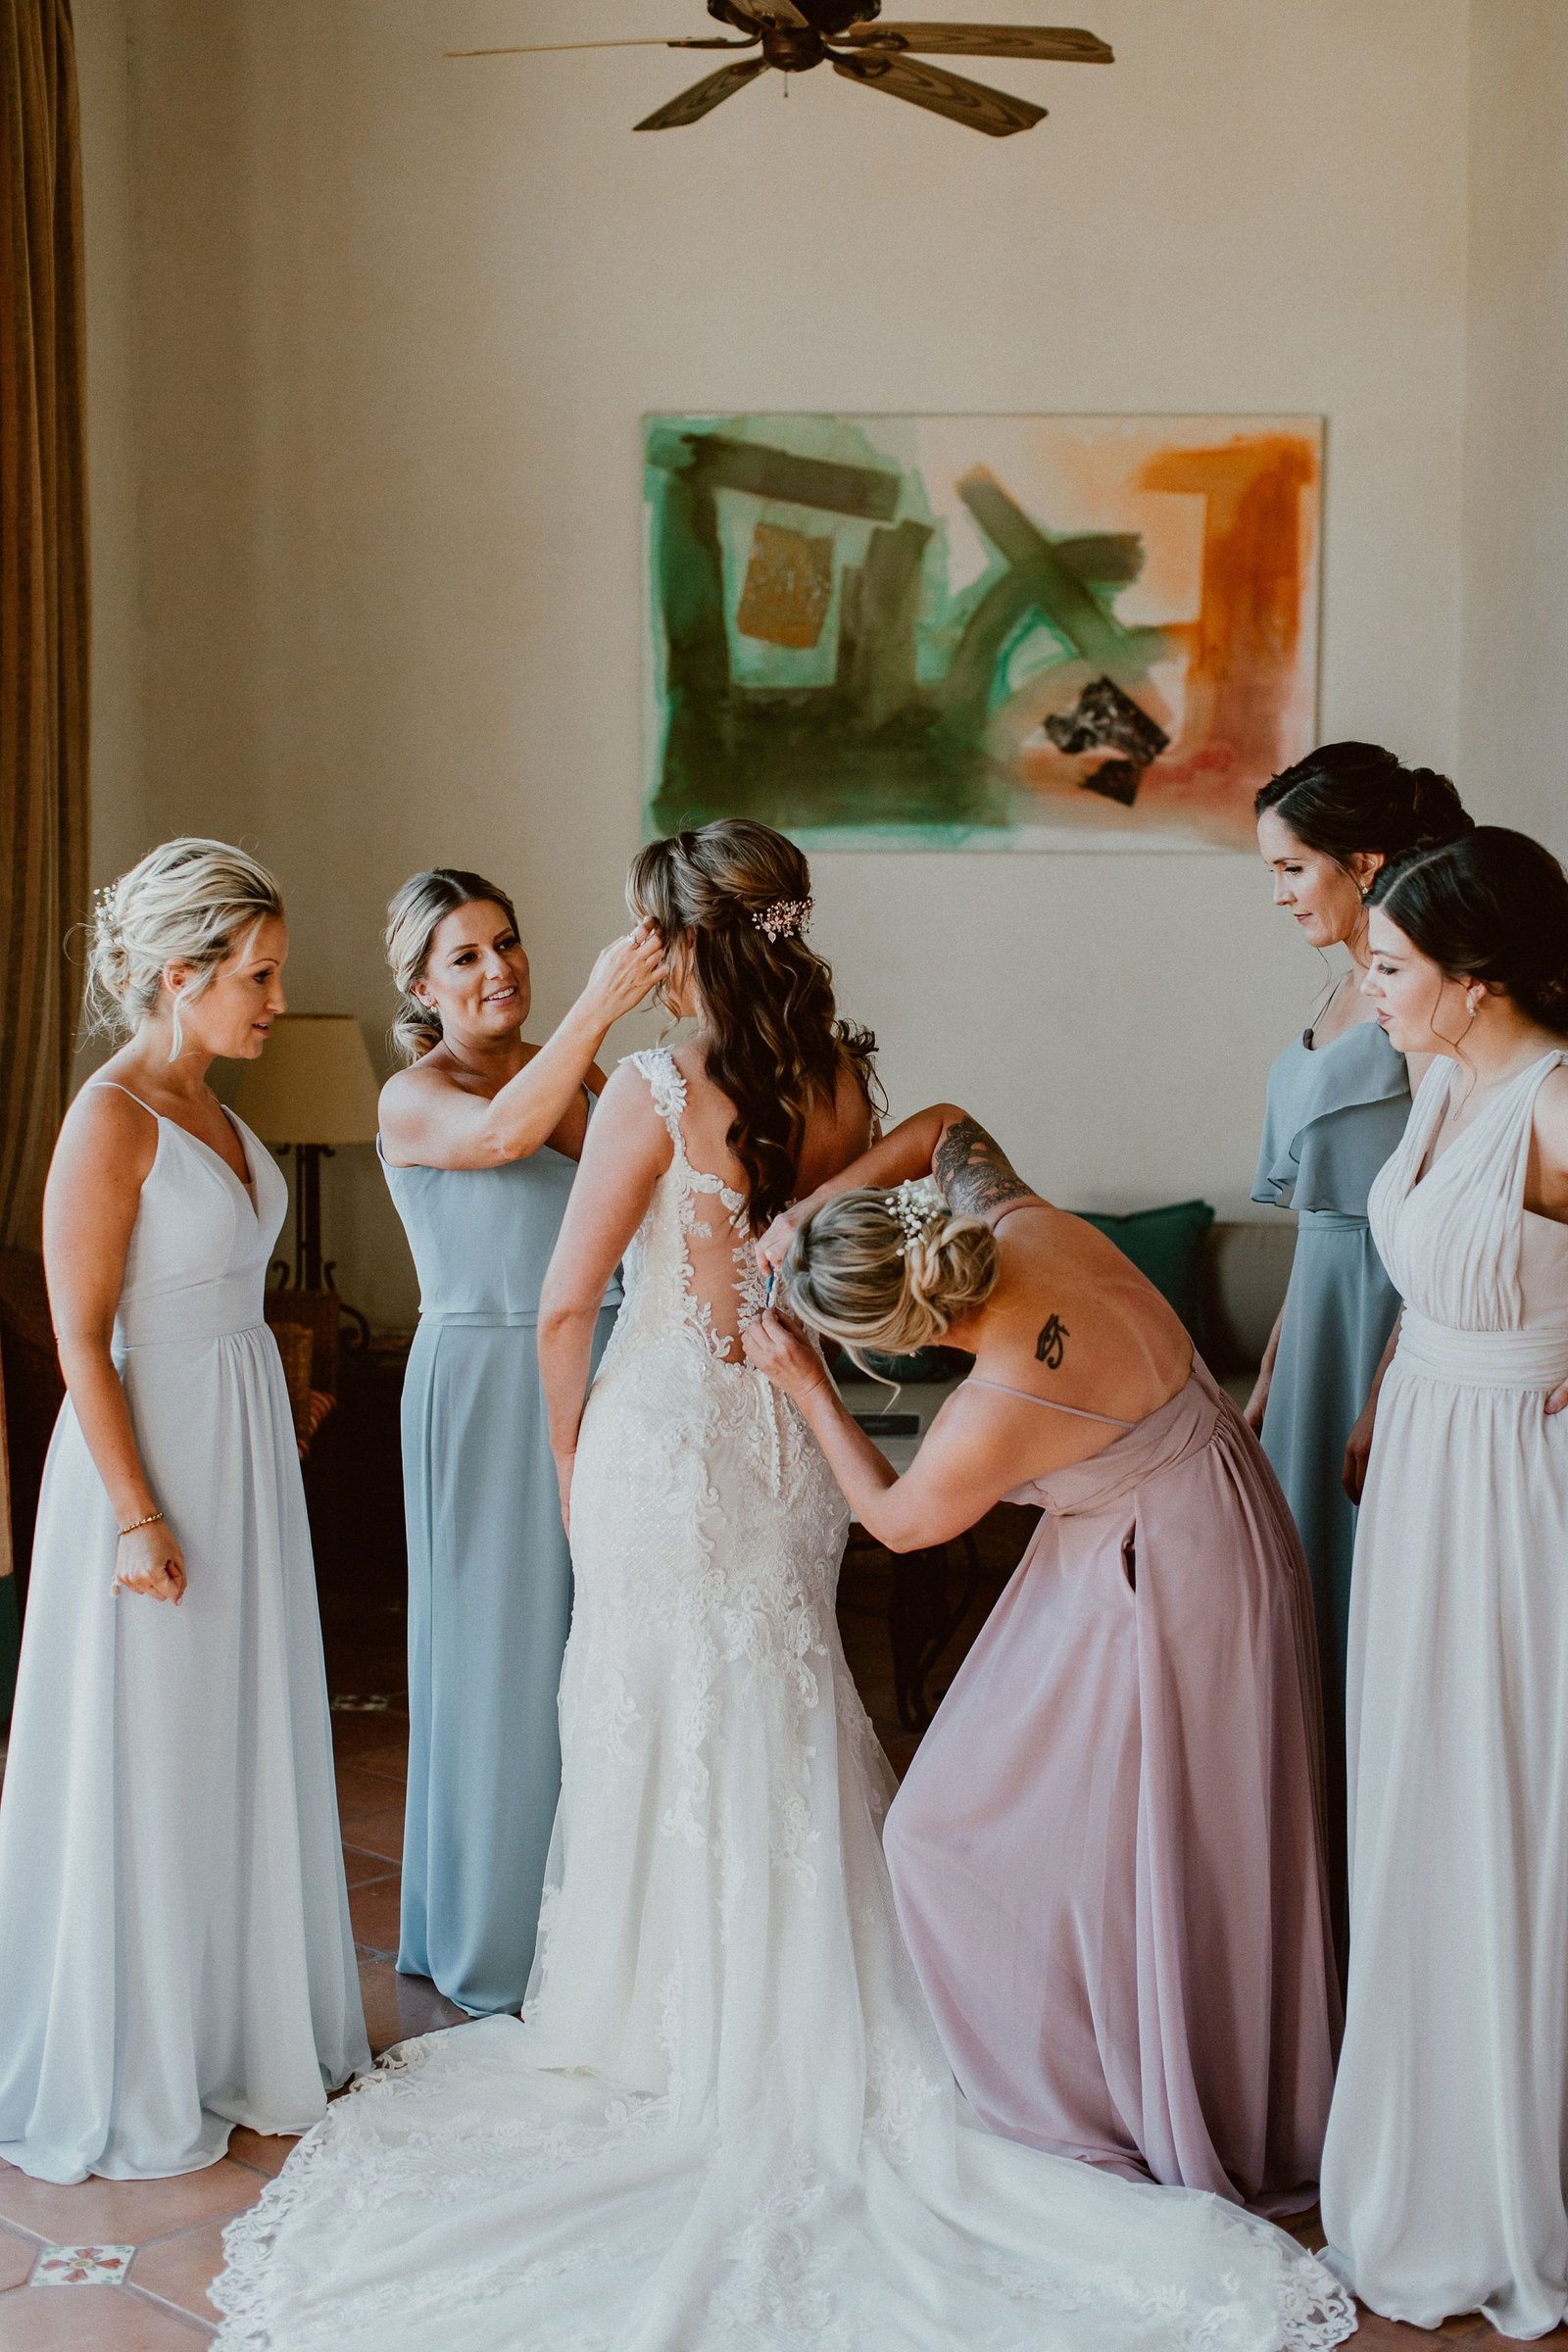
x: 776, y: 1349
x: 623, y: 973
x: 1558, y: 1397
x: 149, y: 1560
x: 776, y: 1242
x: 565, y: 1467
x: 1257, y: 1404
x: 1358, y: 1448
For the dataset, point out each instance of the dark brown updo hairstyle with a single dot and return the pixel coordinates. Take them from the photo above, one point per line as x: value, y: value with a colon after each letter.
x: 778, y: 1046
x: 1494, y: 907
x: 1346, y: 799
x: 411, y: 919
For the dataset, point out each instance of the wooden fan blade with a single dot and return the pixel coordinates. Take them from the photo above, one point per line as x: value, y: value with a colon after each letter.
x: 557, y: 48
x: 1051, y: 41
x: 995, y: 112
x: 770, y: 13
x: 703, y: 96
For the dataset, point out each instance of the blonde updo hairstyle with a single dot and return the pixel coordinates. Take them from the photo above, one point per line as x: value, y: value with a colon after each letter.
x: 190, y: 901
x: 855, y: 1275
x: 413, y: 918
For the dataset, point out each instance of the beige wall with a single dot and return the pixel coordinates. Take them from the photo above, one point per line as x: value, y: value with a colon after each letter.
x: 103, y: 81
x: 397, y: 320
x: 1515, y: 735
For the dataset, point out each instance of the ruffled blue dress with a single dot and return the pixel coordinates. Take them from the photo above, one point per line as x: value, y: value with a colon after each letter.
x: 489, y: 1573
x: 1335, y: 1114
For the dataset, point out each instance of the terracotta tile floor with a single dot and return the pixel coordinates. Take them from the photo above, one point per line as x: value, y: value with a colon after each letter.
x: 161, y: 2241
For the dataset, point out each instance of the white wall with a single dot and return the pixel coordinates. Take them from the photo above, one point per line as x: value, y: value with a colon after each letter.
x: 1516, y: 427
x: 397, y: 320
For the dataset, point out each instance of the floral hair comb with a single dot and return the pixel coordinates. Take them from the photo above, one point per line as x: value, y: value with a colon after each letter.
x: 914, y: 1206
x: 783, y: 918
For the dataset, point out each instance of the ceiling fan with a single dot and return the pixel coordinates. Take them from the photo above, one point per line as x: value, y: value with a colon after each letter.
x: 791, y: 36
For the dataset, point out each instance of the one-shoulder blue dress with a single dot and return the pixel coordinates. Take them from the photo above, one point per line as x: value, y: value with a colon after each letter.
x: 489, y: 1573
x: 1335, y: 1114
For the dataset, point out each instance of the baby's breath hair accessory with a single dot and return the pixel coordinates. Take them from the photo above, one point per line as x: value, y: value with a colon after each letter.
x: 783, y: 918
x: 914, y: 1206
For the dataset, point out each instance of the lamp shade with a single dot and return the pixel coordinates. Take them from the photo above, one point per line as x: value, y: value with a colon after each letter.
x: 312, y: 1084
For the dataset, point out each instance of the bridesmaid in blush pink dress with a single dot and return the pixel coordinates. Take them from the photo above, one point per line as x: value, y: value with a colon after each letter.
x: 1108, y: 1854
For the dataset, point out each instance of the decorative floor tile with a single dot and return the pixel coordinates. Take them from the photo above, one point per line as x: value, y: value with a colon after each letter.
x: 82, y: 2266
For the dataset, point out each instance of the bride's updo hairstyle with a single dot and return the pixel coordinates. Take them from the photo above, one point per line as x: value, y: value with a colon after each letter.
x: 413, y: 918
x: 737, y: 895
x: 188, y: 902
x: 1348, y: 798
x: 1491, y: 906
x: 858, y: 1273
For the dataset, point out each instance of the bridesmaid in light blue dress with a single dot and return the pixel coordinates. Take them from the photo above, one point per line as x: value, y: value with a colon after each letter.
x: 1338, y: 1096
x: 176, y: 1952
x: 480, y: 1139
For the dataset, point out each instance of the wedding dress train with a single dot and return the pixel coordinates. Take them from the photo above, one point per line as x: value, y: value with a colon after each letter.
x: 726, y: 2122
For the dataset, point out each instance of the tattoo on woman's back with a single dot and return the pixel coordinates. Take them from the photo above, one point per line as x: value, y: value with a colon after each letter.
x: 974, y: 1171
x: 1051, y: 1345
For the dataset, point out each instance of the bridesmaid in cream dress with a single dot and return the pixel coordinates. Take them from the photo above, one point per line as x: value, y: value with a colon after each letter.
x: 175, y: 1953
x: 1443, y: 2175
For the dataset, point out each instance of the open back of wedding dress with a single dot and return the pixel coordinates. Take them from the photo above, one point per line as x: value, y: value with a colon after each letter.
x: 726, y: 2122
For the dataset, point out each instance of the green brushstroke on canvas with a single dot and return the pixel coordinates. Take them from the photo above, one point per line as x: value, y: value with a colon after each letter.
x: 880, y: 724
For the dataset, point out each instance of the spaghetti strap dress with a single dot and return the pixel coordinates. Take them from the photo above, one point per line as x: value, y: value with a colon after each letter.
x: 1445, y: 2177
x: 1335, y: 1113
x: 1107, y: 1853
x: 175, y: 1942
x: 489, y: 1573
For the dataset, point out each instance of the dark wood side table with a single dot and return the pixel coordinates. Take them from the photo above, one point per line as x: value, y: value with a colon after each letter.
x: 34, y: 1392
x: 931, y: 1592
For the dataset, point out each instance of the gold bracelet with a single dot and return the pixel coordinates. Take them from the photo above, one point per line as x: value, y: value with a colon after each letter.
x: 151, y: 1520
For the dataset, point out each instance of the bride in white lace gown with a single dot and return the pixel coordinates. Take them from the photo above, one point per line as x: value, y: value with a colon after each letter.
x: 726, y: 2120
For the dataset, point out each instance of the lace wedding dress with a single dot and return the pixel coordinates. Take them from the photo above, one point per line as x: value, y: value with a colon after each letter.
x: 726, y: 2122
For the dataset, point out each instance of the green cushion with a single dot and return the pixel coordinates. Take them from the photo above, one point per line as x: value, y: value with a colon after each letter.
x: 1166, y: 1244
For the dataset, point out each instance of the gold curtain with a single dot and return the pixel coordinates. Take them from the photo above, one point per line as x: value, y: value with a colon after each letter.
x: 43, y: 593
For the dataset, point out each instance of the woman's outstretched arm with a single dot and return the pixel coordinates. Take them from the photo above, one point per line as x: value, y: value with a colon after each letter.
x: 968, y: 1461
x: 945, y: 1142
x: 626, y: 1150
x: 429, y: 1120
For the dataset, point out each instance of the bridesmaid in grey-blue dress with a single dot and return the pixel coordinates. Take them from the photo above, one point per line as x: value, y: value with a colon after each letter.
x: 489, y: 1573
x: 480, y: 1139
x: 1338, y: 1096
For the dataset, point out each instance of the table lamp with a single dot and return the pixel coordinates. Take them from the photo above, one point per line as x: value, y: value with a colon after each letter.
x: 311, y: 1089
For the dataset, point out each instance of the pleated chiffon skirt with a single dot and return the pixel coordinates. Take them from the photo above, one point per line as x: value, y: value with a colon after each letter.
x: 176, y: 1952
x: 489, y: 1612
x: 1108, y: 1854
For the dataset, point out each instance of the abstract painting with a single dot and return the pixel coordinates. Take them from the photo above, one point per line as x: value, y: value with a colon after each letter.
x: 980, y: 632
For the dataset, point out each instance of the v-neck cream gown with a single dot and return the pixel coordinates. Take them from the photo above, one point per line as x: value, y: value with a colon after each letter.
x: 176, y: 1954
x: 1443, y: 2175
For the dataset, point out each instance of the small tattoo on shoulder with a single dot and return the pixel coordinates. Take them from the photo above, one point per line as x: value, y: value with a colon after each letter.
x: 1051, y: 1345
